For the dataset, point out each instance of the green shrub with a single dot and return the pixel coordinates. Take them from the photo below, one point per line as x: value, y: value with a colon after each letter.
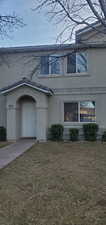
x: 2, y: 134
x: 56, y: 132
x: 90, y: 131
x: 104, y: 136
x: 73, y: 133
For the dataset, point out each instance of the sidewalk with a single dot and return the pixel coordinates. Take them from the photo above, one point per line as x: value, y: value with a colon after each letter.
x: 12, y: 151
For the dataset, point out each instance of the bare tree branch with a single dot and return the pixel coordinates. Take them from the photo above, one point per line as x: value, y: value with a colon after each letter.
x: 75, y: 13
x: 93, y: 9
x: 8, y: 23
x: 103, y: 7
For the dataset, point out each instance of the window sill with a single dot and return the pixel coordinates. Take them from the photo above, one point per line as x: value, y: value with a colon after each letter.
x: 77, y: 75
x: 76, y: 123
x: 50, y: 75
x: 64, y: 75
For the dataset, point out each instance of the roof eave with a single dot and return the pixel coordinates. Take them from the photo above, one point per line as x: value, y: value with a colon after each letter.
x: 47, y: 92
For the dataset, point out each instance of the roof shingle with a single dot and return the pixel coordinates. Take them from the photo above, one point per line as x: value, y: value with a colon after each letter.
x: 27, y: 82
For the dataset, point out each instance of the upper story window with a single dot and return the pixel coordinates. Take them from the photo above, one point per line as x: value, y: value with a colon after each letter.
x: 83, y: 111
x: 77, y: 62
x: 50, y: 64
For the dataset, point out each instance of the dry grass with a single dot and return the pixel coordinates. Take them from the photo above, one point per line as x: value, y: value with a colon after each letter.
x: 55, y: 184
x: 4, y: 143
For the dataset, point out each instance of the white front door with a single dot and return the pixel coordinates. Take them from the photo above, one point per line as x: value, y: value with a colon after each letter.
x: 28, y: 119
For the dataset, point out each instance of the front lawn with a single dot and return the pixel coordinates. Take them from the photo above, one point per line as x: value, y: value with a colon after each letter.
x: 55, y: 184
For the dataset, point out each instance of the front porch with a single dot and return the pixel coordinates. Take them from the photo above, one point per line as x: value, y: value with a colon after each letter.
x: 27, y: 111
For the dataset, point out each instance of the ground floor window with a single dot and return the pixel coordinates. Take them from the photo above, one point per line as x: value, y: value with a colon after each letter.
x: 83, y: 111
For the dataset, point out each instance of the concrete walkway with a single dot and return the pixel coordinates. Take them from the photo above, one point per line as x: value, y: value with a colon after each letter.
x: 12, y: 151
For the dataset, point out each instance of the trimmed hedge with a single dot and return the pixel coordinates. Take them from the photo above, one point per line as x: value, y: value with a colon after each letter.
x: 90, y: 131
x: 104, y: 137
x: 56, y: 132
x: 74, y: 134
x: 2, y: 134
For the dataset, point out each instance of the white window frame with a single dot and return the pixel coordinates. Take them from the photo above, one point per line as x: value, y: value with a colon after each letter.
x: 77, y: 64
x: 50, y: 65
x: 77, y: 53
x: 78, y: 102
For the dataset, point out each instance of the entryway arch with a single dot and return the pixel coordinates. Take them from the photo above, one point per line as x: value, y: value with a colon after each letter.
x: 27, y: 97
x: 26, y: 117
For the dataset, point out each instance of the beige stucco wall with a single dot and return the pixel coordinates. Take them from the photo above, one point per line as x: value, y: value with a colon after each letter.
x: 19, y: 65
x: 68, y: 87
x: 56, y: 107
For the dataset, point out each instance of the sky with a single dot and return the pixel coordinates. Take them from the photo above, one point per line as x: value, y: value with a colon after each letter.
x: 38, y: 29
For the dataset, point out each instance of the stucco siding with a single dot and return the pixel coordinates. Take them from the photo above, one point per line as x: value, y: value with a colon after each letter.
x: 67, y: 87
x: 56, y: 108
x: 95, y: 76
x: 19, y: 65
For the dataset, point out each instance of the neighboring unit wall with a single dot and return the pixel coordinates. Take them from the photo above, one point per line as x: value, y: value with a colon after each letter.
x: 2, y: 111
x: 96, y: 35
